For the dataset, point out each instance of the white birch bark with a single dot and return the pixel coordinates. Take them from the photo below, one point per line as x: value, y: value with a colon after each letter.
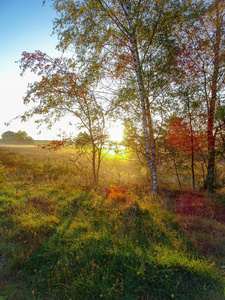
x: 146, y: 121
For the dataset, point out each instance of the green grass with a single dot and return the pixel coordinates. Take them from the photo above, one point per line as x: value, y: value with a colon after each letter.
x: 58, y: 241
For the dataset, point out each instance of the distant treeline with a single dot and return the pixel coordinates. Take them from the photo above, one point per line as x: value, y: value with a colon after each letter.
x: 20, y: 137
x: 35, y: 142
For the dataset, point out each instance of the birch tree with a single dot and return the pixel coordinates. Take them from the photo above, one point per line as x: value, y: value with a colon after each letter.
x: 122, y: 39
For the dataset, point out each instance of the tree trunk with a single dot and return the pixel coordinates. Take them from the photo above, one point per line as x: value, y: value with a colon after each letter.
x: 178, y: 178
x: 210, y: 179
x: 192, y: 152
x: 146, y: 116
x: 152, y: 142
x: 193, y: 170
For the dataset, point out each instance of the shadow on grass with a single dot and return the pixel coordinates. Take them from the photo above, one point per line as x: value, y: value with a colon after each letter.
x: 129, y: 257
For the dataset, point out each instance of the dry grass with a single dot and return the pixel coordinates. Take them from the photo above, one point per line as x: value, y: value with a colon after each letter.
x: 60, y: 239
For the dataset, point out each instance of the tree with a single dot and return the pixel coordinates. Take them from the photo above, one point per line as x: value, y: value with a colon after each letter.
x: 62, y: 91
x: 202, y: 58
x: 186, y: 135
x: 8, y: 136
x: 20, y: 137
x: 124, y: 40
x: 91, y: 148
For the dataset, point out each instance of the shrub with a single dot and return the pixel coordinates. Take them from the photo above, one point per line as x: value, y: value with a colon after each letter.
x: 118, y: 193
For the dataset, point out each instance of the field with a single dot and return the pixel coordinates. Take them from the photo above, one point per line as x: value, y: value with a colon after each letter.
x: 61, y: 239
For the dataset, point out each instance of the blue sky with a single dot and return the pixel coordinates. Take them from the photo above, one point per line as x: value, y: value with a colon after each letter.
x: 25, y: 25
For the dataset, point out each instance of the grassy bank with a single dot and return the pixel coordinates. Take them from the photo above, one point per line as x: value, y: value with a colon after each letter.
x: 60, y: 240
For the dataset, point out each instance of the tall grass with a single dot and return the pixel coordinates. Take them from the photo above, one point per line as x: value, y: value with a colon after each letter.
x: 60, y: 240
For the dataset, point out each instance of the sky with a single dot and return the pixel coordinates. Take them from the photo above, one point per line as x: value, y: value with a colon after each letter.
x: 25, y: 25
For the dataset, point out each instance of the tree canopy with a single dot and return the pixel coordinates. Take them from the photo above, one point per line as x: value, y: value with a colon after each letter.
x: 20, y: 137
x: 125, y: 40
x: 160, y: 58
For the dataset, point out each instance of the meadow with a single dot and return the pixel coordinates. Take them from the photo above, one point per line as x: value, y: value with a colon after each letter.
x: 62, y: 239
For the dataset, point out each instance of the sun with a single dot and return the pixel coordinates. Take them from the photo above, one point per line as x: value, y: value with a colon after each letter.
x: 116, y: 132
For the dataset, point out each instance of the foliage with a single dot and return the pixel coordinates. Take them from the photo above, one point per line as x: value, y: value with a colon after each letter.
x: 180, y: 137
x: 156, y: 58
x: 133, y: 139
x: 20, y: 137
x: 8, y: 135
x: 117, y: 193
x: 201, y: 59
x: 128, y: 41
x: 64, y: 90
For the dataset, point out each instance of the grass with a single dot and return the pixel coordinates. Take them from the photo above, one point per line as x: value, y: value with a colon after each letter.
x: 59, y: 240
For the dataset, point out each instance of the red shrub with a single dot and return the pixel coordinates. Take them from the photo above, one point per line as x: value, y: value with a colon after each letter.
x: 118, y: 193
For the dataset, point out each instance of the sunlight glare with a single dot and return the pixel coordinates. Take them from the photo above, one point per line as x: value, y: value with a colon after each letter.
x: 116, y: 132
